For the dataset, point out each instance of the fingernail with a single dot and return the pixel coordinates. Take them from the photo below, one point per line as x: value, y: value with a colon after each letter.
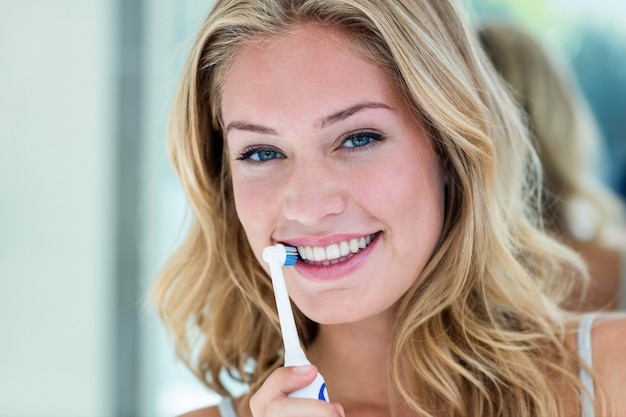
x: 302, y: 369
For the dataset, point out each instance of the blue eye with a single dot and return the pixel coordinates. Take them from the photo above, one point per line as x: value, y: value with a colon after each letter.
x: 361, y: 139
x: 260, y: 155
x: 264, y: 155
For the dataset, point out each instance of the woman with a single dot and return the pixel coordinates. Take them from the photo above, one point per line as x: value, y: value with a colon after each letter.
x: 316, y: 123
x: 577, y: 208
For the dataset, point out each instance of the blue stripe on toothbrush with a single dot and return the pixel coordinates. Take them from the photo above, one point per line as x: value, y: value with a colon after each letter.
x: 323, y: 394
x: 292, y: 255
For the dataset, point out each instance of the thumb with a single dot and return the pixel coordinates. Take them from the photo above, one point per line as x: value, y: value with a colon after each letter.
x: 340, y: 409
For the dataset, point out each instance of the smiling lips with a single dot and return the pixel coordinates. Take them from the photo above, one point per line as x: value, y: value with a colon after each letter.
x: 335, y: 253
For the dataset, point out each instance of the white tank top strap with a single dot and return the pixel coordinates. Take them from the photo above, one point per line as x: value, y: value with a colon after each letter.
x: 622, y: 283
x: 226, y: 407
x: 585, y: 352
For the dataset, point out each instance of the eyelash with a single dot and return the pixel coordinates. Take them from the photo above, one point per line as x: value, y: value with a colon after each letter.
x: 248, y: 153
x: 373, y: 137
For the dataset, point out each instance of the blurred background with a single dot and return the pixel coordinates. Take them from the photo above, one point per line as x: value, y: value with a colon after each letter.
x: 89, y: 207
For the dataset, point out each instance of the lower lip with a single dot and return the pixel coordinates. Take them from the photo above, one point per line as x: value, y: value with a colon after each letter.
x: 339, y: 270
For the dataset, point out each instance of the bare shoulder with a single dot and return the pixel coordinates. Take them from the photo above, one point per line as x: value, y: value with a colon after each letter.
x: 604, y: 260
x: 203, y: 412
x: 609, y: 341
x: 609, y: 357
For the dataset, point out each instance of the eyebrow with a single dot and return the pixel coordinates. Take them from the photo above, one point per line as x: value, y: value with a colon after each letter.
x: 249, y: 127
x: 325, y: 121
x: 350, y: 111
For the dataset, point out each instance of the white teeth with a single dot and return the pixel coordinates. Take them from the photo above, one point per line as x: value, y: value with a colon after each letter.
x: 331, y: 253
x: 344, y: 248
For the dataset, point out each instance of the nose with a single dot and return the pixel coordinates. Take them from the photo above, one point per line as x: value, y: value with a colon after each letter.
x: 314, y: 192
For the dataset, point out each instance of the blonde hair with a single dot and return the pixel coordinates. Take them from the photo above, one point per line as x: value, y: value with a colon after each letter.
x: 564, y: 129
x: 479, y: 332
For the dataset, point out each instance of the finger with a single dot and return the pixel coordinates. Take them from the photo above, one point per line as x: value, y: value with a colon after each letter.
x: 280, y: 383
x: 339, y: 409
x: 302, y: 407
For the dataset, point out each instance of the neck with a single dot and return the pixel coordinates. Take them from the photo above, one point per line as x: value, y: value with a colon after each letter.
x: 354, y: 360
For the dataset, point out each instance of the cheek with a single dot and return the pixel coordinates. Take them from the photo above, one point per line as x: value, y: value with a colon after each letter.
x: 245, y: 203
x: 250, y: 208
x: 253, y: 203
x: 412, y: 199
x: 408, y: 188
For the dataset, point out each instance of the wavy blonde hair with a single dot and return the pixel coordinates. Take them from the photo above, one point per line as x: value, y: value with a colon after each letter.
x: 479, y: 333
x: 563, y: 127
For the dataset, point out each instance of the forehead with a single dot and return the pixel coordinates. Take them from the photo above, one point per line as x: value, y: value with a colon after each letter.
x: 311, y: 66
x: 305, y: 43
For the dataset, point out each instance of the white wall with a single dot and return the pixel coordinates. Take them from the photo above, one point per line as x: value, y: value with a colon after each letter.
x: 167, y: 388
x: 56, y: 207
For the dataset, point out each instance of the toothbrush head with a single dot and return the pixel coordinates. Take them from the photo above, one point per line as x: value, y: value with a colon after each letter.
x: 284, y: 255
x: 291, y: 256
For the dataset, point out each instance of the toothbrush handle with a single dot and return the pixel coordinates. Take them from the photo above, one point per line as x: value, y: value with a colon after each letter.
x: 315, y: 390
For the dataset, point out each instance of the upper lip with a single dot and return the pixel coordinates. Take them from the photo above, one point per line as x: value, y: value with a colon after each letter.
x: 323, y: 241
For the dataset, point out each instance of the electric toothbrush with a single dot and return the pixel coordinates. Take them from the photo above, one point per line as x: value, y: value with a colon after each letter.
x: 277, y: 256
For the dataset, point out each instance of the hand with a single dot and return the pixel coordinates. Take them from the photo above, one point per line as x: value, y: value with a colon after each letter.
x: 271, y: 399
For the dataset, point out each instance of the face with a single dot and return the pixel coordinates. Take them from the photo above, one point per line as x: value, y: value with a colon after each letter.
x: 326, y: 156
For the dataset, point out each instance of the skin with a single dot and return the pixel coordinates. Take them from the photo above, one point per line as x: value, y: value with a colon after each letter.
x: 605, y: 267
x: 314, y: 188
x: 604, y: 258
x: 320, y: 188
